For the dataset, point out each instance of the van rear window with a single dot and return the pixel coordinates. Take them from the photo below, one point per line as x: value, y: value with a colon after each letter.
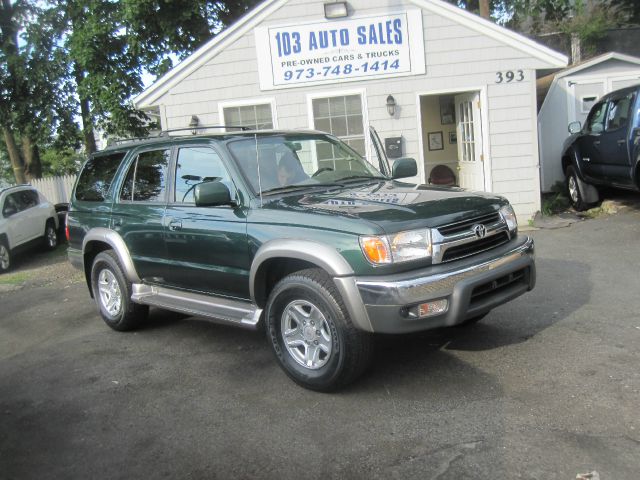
x: 96, y: 177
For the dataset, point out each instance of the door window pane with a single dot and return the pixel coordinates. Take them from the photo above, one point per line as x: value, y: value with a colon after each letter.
x: 618, y: 113
x: 146, y: 178
x: 198, y: 165
x: 595, y: 120
x: 256, y: 117
x: 342, y: 117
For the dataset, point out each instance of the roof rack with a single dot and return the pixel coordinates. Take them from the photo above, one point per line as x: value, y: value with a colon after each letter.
x: 202, y: 127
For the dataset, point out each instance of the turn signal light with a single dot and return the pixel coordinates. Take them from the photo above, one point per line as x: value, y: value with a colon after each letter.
x: 376, y: 249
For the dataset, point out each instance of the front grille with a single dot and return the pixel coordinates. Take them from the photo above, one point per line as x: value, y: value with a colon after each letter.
x: 488, y: 289
x: 473, y: 247
x: 465, y: 225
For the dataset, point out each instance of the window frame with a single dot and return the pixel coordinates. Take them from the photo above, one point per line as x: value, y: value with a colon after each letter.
x: 362, y: 92
x: 249, y: 102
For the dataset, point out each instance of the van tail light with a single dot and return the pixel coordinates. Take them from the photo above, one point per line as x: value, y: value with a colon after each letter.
x: 66, y: 230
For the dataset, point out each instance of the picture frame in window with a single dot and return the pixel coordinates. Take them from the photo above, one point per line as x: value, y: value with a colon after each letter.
x: 453, y: 138
x: 447, y: 111
x: 435, y: 140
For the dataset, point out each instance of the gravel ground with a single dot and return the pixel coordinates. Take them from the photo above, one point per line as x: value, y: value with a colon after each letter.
x: 36, y: 268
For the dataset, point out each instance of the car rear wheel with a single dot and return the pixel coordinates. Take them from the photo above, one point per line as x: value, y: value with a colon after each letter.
x: 573, y: 188
x: 112, y: 293
x: 50, y: 235
x: 5, y: 257
x: 312, y: 335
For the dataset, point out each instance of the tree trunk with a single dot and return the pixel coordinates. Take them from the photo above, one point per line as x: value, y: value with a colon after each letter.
x: 14, y: 155
x: 31, y: 155
x: 484, y: 9
x: 85, y: 112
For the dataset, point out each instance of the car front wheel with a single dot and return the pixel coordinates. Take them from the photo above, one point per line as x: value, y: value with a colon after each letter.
x: 312, y: 335
x: 112, y: 293
x: 575, y: 196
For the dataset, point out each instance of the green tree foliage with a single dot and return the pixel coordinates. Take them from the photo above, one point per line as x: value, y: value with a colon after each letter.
x: 84, y: 59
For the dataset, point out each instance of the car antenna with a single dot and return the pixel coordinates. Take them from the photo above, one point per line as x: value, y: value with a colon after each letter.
x: 255, y: 137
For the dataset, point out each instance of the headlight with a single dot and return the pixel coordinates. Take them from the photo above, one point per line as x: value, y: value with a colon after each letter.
x: 398, y: 247
x: 509, y: 216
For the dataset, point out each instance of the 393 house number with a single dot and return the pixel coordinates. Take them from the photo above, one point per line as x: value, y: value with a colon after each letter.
x: 510, y: 76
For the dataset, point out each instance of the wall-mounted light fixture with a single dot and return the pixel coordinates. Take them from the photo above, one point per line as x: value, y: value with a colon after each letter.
x: 335, y: 10
x: 391, y: 105
x: 193, y: 123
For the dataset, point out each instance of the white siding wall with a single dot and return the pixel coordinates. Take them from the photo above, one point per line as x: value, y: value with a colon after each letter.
x: 458, y: 59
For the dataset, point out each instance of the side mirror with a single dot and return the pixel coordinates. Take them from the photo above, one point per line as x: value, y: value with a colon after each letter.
x: 404, y: 167
x: 210, y: 194
x: 575, y: 127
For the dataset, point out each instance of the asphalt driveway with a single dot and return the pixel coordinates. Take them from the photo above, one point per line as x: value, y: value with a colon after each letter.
x: 545, y: 387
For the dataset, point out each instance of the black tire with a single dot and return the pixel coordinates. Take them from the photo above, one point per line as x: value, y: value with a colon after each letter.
x: 50, y: 235
x: 122, y: 314
x: 5, y: 257
x: 573, y: 190
x: 351, y: 349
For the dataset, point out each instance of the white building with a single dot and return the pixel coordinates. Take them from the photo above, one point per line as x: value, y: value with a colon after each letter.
x: 571, y: 94
x: 464, y: 88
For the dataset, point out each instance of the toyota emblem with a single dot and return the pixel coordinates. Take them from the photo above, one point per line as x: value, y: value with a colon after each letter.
x: 479, y: 230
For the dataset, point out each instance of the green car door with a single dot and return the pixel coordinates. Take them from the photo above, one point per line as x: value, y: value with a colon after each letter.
x: 206, y: 246
x: 138, y: 210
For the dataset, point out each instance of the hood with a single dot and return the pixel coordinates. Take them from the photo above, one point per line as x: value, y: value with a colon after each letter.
x: 394, y: 206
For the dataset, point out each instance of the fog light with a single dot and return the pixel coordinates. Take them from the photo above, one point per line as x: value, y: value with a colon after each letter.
x: 428, y: 309
x: 433, y: 308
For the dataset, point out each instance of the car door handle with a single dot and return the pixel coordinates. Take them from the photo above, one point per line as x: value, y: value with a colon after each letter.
x: 596, y: 143
x: 175, y: 225
x: 621, y: 142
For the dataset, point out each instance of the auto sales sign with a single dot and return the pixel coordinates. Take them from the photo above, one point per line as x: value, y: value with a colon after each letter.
x: 330, y: 51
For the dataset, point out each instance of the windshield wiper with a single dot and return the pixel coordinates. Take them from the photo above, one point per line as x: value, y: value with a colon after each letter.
x: 352, y: 178
x: 293, y: 188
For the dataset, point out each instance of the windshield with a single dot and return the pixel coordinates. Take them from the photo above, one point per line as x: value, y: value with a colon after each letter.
x: 299, y: 160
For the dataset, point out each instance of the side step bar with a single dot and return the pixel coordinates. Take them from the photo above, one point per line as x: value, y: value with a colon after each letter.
x: 222, y: 310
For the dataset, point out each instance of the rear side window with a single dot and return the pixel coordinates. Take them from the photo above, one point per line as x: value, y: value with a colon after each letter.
x: 147, y: 177
x: 619, y: 110
x: 96, y: 177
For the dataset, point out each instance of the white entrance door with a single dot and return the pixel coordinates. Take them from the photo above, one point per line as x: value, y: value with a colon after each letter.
x: 470, y: 166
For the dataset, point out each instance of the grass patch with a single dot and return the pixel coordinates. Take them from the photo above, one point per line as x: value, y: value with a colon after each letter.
x: 554, y: 203
x: 17, y: 278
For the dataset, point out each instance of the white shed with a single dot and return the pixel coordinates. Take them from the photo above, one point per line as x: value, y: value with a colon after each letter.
x: 438, y: 83
x: 571, y: 94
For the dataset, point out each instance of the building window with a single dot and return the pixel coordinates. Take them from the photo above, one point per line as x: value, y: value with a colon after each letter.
x: 342, y: 117
x: 256, y: 117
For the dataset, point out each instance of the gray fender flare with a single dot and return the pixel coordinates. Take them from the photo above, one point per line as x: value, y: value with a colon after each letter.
x: 112, y: 238
x: 325, y: 257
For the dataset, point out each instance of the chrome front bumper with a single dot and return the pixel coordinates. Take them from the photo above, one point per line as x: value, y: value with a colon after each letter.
x: 472, y: 286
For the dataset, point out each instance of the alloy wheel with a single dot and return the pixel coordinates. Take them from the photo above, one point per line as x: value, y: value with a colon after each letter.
x: 5, y: 259
x: 110, y: 293
x: 306, y: 334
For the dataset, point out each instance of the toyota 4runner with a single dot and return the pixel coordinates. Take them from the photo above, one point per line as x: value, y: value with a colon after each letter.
x: 295, y: 232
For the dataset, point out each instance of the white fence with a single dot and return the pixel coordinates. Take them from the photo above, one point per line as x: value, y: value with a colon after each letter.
x: 56, y: 189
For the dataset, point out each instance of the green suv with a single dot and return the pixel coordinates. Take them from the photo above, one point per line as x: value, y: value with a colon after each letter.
x: 293, y: 232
